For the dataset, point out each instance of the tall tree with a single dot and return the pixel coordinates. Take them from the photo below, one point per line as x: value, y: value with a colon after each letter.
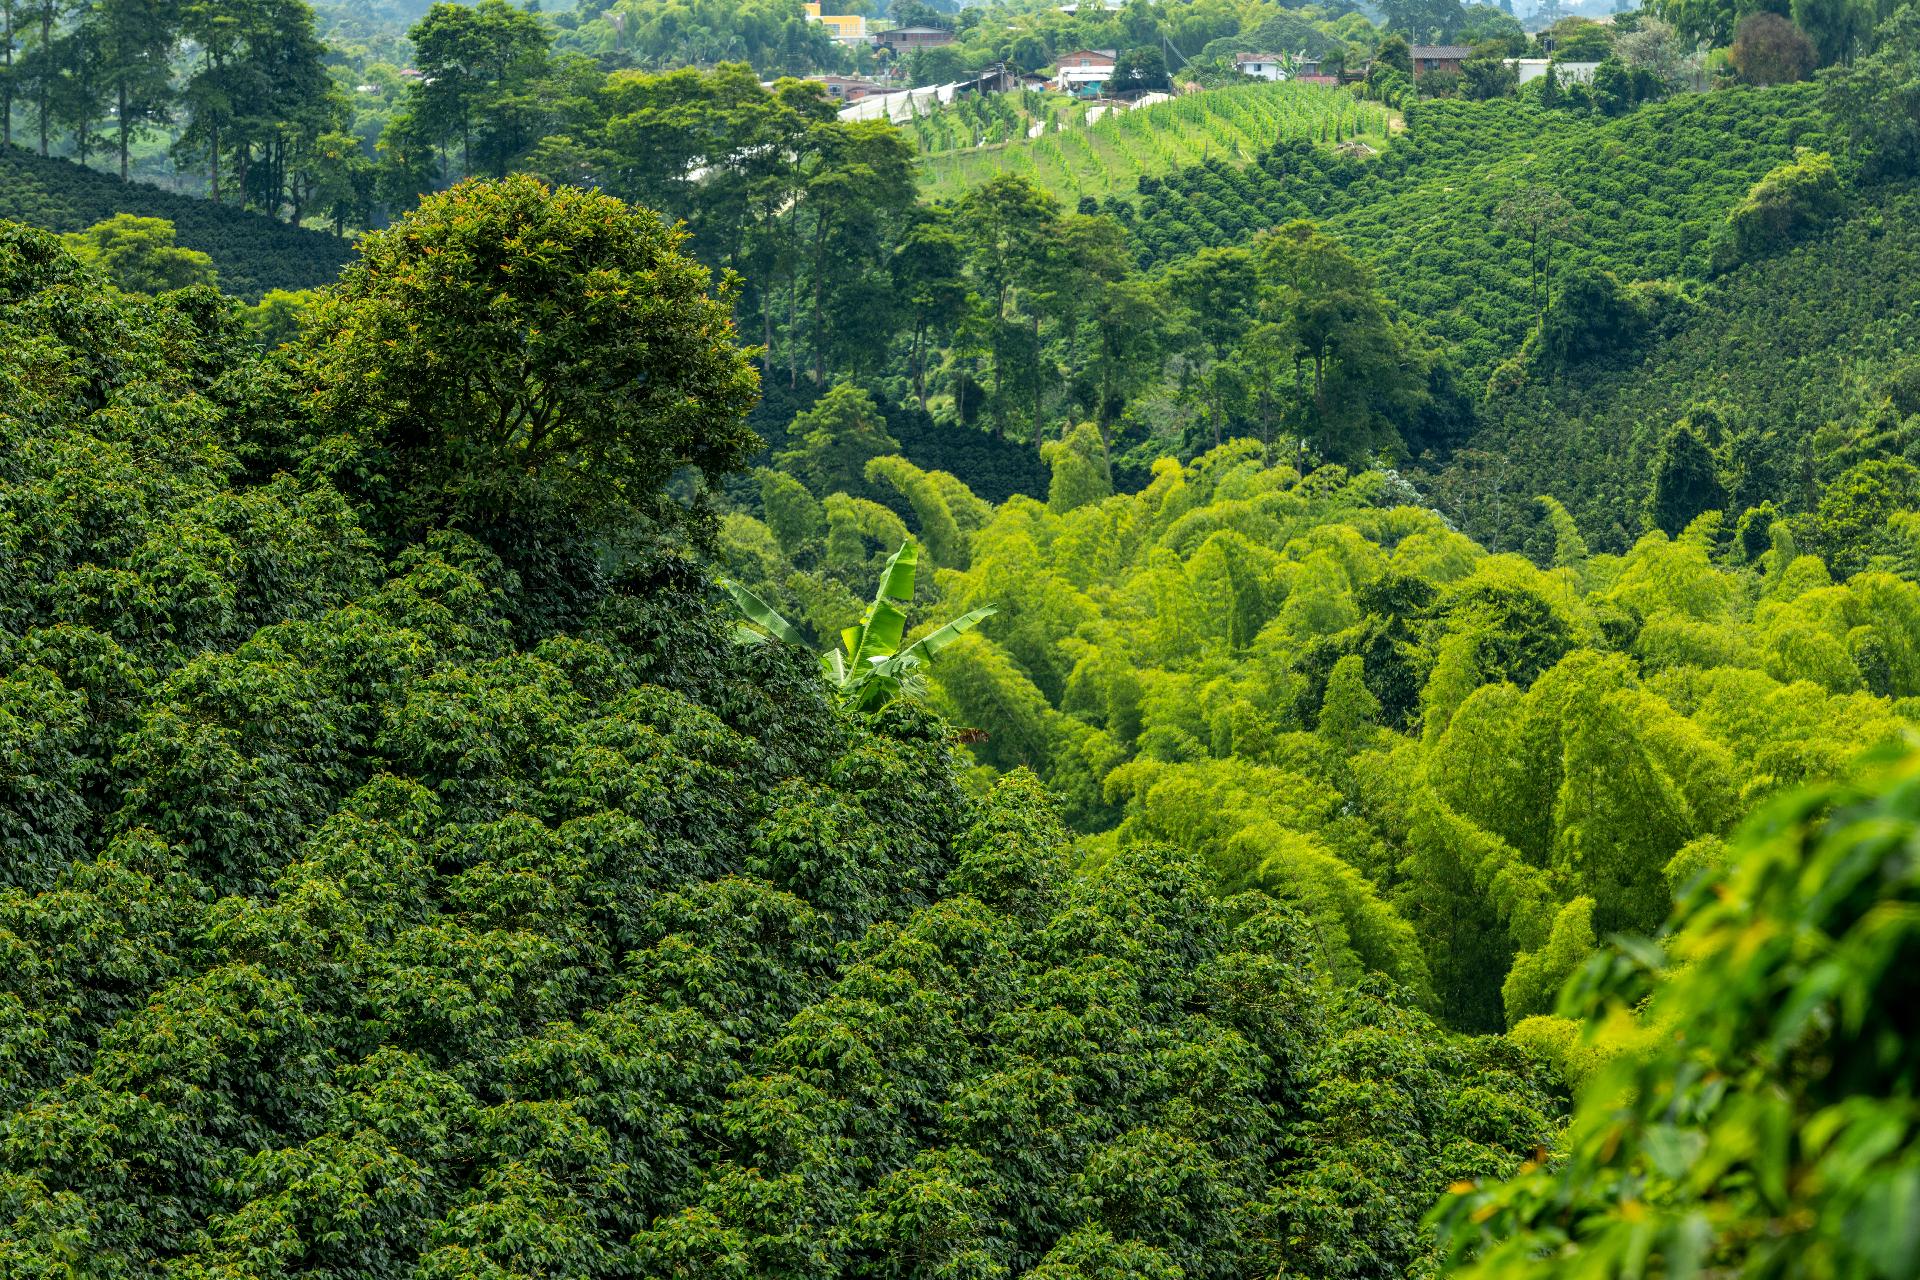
x: 1010, y: 223
x: 1355, y: 375
x: 928, y: 274
x: 1215, y: 290
x: 77, y: 90
x: 1424, y: 21
x: 9, y: 39
x: 479, y: 65
x: 1130, y: 326
x: 40, y: 67
x: 135, y: 40
x: 1539, y: 217
x: 509, y: 344
x: 859, y: 182
x: 211, y: 86
x: 258, y: 97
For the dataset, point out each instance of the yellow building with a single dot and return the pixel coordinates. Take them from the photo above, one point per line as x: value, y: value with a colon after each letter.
x: 844, y: 26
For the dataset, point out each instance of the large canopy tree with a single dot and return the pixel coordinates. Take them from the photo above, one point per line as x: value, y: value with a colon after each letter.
x: 506, y: 342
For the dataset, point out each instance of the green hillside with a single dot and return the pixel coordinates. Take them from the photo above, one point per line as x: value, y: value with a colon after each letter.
x: 1795, y: 367
x: 1786, y: 361
x: 253, y: 253
x: 1131, y: 775
x: 1643, y: 193
x: 1073, y: 158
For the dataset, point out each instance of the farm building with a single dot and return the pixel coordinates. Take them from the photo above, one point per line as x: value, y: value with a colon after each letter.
x: 905, y: 39
x: 1439, y: 57
x: 1085, y: 72
x: 1274, y: 66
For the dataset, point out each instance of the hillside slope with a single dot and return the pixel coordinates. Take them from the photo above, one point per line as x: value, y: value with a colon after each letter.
x: 1795, y: 367
x: 252, y: 252
x: 1642, y: 192
x: 1072, y: 157
x: 360, y: 916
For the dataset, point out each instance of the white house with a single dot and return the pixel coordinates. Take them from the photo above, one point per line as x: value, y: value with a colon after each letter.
x: 1274, y: 66
x: 1567, y: 72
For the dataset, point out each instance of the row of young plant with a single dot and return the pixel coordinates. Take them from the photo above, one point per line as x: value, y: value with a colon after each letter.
x: 1075, y: 158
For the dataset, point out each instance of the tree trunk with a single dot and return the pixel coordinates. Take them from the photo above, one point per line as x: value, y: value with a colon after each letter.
x: 919, y: 357
x: 123, y: 130
x: 6, y: 73
x: 793, y: 331
x: 1039, y: 428
x: 819, y: 321
x: 766, y: 334
x: 286, y: 183
x: 46, y: 40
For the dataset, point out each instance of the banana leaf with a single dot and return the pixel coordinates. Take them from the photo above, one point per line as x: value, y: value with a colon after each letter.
x: 761, y: 614
x: 873, y: 669
x: 940, y: 637
x: 880, y: 632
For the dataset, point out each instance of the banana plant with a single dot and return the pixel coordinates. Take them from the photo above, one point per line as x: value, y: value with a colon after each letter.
x: 868, y: 668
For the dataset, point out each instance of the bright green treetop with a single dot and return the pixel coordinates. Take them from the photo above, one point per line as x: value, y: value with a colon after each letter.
x: 139, y: 254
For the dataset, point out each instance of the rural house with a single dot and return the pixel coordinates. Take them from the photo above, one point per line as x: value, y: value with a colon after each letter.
x: 1085, y: 72
x: 905, y: 39
x: 1274, y: 66
x: 1439, y: 57
x: 848, y: 28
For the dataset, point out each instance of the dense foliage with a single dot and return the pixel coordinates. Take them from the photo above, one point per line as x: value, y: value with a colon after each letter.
x: 1519, y: 259
x: 511, y: 355
x: 1767, y: 1125
x: 366, y: 914
x: 466, y: 809
x: 1497, y: 264
x: 1332, y: 696
x: 251, y: 253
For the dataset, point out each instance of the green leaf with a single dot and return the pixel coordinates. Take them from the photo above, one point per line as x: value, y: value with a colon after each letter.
x: 934, y: 641
x: 886, y: 623
x: 762, y: 614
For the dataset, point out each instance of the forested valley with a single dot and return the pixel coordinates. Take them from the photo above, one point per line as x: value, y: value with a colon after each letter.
x: 613, y: 667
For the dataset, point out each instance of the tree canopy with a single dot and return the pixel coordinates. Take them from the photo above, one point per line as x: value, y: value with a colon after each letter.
x: 506, y: 337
